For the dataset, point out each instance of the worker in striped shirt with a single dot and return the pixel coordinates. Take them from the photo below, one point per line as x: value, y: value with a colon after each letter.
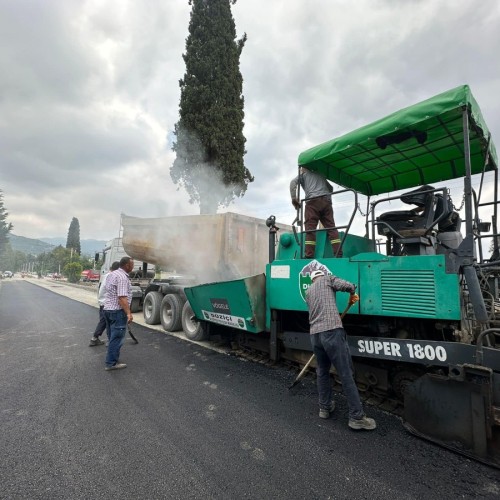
x: 117, y: 311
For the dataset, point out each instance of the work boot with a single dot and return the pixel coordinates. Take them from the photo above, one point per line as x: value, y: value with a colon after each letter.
x: 118, y: 366
x: 366, y: 423
x: 325, y: 413
x: 95, y: 341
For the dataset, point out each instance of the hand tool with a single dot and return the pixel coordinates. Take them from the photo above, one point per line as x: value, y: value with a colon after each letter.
x: 352, y: 300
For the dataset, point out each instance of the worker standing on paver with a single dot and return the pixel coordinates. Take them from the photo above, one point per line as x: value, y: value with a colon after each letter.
x: 318, y: 196
x: 329, y: 343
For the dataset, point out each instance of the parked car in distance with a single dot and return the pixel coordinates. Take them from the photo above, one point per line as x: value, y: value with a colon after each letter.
x: 7, y: 274
x: 90, y: 275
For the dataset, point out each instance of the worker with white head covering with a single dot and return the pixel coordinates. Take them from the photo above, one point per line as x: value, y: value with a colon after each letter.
x: 329, y: 343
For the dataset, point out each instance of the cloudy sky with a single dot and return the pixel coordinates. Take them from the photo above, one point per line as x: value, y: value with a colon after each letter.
x: 89, y: 95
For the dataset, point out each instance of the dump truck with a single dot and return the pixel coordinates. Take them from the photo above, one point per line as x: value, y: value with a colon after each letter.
x: 426, y: 331
x: 192, y: 249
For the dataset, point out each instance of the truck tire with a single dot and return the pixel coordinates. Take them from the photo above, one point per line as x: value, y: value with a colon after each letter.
x: 193, y: 329
x: 151, y: 308
x: 170, y: 312
x: 135, y: 305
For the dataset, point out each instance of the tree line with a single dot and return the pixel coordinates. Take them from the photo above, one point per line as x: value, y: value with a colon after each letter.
x: 58, y: 261
x: 67, y: 261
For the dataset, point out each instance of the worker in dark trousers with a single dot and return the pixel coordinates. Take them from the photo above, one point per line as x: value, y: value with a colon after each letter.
x: 329, y: 343
x: 117, y: 311
x: 318, y: 196
x: 101, y: 325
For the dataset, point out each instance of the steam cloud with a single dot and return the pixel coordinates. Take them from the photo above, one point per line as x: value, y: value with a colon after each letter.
x: 206, y: 248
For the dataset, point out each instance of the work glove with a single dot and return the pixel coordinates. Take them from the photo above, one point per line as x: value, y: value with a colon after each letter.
x: 353, y: 298
x: 296, y: 203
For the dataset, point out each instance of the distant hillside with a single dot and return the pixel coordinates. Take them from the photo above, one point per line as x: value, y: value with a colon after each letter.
x: 29, y: 245
x: 89, y: 247
x: 36, y: 247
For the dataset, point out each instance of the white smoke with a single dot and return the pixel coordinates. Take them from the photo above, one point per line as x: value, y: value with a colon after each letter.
x: 206, y: 248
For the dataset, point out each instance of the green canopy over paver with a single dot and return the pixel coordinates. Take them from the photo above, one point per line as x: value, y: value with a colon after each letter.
x: 417, y: 145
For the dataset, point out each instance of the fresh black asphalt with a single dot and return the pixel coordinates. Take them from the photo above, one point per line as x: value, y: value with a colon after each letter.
x: 185, y: 422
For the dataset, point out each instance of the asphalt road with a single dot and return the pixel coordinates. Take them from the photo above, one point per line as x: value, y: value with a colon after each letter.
x: 185, y: 422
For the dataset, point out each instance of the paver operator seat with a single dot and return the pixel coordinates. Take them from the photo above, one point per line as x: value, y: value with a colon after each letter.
x: 412, y: 232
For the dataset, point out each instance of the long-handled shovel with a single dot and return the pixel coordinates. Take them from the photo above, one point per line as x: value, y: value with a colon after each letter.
x: 132, y: 335
x: 306, y: 366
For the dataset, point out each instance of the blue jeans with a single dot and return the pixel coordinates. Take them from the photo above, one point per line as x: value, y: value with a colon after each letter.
x: 101, y: 326
x: 331, y: 347
x: 117, y: 323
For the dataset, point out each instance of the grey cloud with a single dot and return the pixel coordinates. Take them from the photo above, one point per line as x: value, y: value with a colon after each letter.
x: 45, y: 58
x: 89, y: 94
x: 60, y: 142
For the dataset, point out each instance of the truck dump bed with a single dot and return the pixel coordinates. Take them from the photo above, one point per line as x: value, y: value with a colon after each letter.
x: 208, y: 247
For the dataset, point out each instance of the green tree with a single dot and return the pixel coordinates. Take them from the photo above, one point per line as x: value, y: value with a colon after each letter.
x: 5, y: 227
x: 210, y: 143
x: 12, y: 260
x: 73, y: 271
x: 59, y: 257
x: 73, y: 240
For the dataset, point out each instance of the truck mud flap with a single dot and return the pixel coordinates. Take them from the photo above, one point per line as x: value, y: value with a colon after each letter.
x: 457, y: 411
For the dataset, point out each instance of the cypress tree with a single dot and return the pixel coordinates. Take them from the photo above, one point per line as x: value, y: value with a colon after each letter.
x: 5, y: 227
x: 210, y: 144
x: 73, y: 240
